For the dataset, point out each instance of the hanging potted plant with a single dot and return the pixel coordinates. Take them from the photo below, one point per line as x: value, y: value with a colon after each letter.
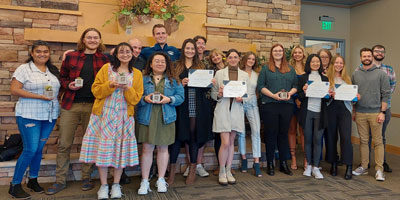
x: 169, y: 11
x: 141, y: 10
x: 123, y: 16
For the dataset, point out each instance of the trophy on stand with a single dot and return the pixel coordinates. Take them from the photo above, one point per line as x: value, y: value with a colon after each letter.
x: 122, y: 79
x: 156, y: 97
x: 48, y: 91
x: 283, y: 94
x: 79, y: 82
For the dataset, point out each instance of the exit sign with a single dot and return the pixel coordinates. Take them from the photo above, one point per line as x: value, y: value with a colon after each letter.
x: 326, y: 25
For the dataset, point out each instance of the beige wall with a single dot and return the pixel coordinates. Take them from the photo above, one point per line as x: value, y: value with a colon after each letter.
x: 311, y: 25
x: 362, y: 26
x: 374, y: 23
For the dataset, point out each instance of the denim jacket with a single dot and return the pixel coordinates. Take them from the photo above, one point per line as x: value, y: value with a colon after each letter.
x: 175, y: 92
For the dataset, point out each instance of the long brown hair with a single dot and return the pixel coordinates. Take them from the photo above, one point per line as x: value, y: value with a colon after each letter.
x: 243, y: 62
x: 284, y: 64
x: 180, y: 64
x: 81, y: 46
x: 343, y: 73
x: 168, y: 70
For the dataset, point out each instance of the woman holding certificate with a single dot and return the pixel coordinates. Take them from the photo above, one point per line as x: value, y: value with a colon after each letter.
x: 312, y: 115
x: 156, y: 117
x: 250, y: 65
x: 339, y: 115
x: 193, y: 115
x: 228, y: 113
x: 277, y: 82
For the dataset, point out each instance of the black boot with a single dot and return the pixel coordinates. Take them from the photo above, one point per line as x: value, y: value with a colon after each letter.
x: 17, y: 192
x: 34, y: 185
x: 124, y: 178
x: 348, y: 175
x: 270, y: 168
x: 334, y: 169
x: 386, y: 168
x: 283, y: 167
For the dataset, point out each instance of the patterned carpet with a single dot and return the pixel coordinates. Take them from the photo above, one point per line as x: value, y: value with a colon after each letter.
x: 291, y: 188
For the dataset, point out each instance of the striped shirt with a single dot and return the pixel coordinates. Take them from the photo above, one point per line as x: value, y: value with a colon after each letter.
x: 35, y: 81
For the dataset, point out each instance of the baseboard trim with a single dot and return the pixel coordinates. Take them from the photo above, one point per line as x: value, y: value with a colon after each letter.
x: 389, y: 148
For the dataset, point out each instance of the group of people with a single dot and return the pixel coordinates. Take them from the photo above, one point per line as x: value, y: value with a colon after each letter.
x: 156, y: 107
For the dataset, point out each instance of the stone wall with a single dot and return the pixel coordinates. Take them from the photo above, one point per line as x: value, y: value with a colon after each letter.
x: 262, y: 15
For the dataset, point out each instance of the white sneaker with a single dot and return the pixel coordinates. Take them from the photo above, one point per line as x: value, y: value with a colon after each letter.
x: 161, y: 185
x: 201, y: 171
x: 360, y: 171
x: 316, y: 173
x: 103, y: 192
x: 144, y: 187
x: 379, y: 176
x: 116, y: 191
x: 186, y: 172
x: 307, y: 171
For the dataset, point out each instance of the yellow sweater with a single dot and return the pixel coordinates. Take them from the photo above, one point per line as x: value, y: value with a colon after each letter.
x: 101, y: 90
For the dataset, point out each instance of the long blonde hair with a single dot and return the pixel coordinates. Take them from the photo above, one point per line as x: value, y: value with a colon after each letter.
x: 292, y: 61
x: 343, y: 73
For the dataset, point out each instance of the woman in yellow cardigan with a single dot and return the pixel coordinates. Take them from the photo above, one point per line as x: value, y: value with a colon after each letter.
x: 110, y: 140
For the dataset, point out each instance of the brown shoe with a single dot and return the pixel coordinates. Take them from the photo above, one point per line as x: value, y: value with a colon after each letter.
x: 192, y: 174
x: 171, y: 177
x: 216, y: 171
x: 87, y: 184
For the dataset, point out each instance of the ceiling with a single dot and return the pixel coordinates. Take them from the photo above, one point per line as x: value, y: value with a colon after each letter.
x: 342, y: 3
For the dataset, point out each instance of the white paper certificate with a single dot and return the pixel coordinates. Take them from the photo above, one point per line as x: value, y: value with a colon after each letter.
x: 317, y: 89
x: 200, y: 78
x: 346, y: 92
x: 235, y: 88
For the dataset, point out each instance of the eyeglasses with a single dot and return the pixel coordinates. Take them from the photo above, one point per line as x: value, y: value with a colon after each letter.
x: 159, y: 61
x: 92, y: 38
x: 379, y: 51
x: 324, y: 57
x: 125, y: 52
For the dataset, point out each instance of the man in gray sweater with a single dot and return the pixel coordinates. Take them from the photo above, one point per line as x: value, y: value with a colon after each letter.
x: 370, y: 110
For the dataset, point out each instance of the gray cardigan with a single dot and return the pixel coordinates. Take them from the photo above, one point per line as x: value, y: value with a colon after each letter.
x: 373, y: 86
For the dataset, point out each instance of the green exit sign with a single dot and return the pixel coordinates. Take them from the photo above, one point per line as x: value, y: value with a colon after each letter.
x: 326, y: 25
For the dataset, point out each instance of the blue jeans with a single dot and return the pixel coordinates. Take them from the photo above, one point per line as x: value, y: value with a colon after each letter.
x: 253, y: 116
x: 34, y: 135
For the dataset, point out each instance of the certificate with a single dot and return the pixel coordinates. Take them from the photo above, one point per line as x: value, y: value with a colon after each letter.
x: 200, y: 78
x: 317, y: 89
x: 235, y: 88
x: 346, y: 92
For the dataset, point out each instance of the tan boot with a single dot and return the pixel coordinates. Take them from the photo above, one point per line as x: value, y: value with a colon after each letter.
x: 192, y: 174
x: 229, y: 176
x: 222, y: 176
x: 171, y: 177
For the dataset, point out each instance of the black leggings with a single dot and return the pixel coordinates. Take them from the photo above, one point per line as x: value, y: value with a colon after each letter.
x: 193, y: 145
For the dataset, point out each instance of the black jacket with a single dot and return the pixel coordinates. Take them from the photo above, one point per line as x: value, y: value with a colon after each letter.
x: 302, y: 114
x: 204, y: 114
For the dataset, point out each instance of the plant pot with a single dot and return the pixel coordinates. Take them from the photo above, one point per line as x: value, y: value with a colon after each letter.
x: 171, y: 25
x: 143, y: 19
x: 125, y: 22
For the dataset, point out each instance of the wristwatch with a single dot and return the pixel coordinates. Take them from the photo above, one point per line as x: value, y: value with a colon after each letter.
x: 384, y: 112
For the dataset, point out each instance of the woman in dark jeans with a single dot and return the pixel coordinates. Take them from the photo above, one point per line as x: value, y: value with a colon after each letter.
x: 339, y: 115
x: 277, y: 82
x: 193, y: 125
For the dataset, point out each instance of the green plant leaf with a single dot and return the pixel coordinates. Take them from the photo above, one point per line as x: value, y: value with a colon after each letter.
x: 146, y: 10
x: 180, y: 18
x: 166, y: 16
x: 163, y: 10
x: 157, y: 17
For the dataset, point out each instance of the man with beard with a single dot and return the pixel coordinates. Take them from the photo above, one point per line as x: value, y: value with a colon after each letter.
x: 370, y: 110
x: 379, y: 55
x: 160, y: 35
x: 77, y: 102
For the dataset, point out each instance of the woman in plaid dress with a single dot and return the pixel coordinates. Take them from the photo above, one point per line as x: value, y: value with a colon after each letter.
x: 110, y: 139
